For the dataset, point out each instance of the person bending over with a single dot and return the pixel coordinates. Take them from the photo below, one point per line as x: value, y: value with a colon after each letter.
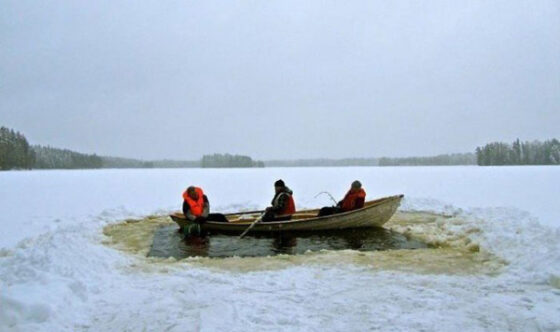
x: 283, y: 205
x: 354, y: 199
x: 196, y: 207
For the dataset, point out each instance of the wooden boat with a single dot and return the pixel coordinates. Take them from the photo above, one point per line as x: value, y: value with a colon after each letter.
x: 374, y: 214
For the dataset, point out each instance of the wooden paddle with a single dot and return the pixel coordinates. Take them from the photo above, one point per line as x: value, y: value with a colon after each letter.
x: 259, y: 219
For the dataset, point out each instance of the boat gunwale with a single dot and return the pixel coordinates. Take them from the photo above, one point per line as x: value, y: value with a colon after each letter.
x: 370, y: 205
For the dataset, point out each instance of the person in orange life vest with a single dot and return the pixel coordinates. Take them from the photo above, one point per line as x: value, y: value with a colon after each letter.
x: 196, y: 207
x: 283, y: 205
x: 354, y: 199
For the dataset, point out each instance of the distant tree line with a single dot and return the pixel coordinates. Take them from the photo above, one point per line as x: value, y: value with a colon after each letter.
x: 323, y: 162
x: 439, y: 160
x: 47, y: 157
x: 228, y: 160
x: 15, y: 151
x: 166, y: 163
x: 519, y: 153
x: 445, y: 159
x: 116, y: 162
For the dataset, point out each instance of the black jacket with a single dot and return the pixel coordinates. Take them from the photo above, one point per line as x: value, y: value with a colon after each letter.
x: 280, y: 199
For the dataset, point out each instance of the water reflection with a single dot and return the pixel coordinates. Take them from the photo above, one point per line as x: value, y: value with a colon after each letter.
x: 168, y: 243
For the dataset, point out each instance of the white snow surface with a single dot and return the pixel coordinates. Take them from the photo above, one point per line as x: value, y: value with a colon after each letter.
x: 57, y: 275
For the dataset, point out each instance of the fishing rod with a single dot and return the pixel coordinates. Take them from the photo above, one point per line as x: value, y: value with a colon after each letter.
x: 328, y: 193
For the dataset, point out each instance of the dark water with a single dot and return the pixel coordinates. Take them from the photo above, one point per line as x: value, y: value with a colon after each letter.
x: 169, y: 243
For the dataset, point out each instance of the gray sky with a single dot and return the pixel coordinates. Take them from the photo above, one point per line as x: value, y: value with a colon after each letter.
x: 279, y: 79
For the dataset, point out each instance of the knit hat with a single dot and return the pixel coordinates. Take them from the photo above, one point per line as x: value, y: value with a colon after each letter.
x: 356, y: 184
x: 279, y: 183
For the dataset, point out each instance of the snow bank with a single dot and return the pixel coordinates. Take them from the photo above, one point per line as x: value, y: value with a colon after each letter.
x: 57, y: 273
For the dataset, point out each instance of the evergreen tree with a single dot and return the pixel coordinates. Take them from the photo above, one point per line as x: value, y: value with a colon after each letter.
x: 228, y: 160
x: 439, y: 160
x: 52, y: 158
x: 519, y: 153
x: 15, y: 152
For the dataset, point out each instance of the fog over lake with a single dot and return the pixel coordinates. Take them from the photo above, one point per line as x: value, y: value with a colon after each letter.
x: 279, y: 79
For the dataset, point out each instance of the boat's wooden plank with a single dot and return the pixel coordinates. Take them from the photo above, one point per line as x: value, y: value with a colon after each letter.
x: 374, y: 213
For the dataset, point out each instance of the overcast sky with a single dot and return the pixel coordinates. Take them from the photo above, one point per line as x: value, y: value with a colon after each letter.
x: 279, y: 79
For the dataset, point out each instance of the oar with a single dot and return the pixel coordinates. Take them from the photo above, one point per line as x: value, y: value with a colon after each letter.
x: 252, y: 225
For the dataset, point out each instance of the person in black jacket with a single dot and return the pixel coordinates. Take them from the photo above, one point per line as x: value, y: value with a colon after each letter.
x: 283, y: 206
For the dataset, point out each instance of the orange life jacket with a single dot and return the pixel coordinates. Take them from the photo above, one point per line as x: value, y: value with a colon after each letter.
x: 289, y: 207
x: 197, y: 206
x: 349, y: 201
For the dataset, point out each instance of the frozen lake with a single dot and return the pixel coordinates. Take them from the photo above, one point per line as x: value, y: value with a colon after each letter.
x: 497, y: 266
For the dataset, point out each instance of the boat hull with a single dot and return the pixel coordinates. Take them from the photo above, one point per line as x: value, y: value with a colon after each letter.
x: 373, y: 214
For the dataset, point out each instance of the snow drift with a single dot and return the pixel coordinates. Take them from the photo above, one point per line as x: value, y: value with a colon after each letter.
x: 494, y: 262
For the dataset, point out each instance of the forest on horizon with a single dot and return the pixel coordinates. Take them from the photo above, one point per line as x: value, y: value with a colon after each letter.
x: 17, y: 153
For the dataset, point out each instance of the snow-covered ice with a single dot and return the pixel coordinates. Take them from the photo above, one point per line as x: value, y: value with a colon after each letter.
x: 58, y: 273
